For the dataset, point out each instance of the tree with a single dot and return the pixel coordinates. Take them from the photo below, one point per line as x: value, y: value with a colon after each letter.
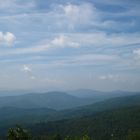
x: 17, y: 133
x: 85, y: 137
x: 57, y: 137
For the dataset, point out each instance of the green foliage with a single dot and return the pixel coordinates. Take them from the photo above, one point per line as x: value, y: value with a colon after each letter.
x: 67, y: 138
x: 108, y: 125
x: 57, y: 137
x: 119, y: 124
x: 85, y: 137
x: 17, y: 133
x: 133, y: 136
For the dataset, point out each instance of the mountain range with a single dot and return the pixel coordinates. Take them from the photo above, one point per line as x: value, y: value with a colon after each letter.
x: 35, y: 108
x: 59, y: 100
x: 54, y: 100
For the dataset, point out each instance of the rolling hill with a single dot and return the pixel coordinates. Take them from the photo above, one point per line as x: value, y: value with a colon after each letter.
x: 109, y: 104
x: 109, y: 125
x: 54, y: 100
x: 12, y: 112
x: 10, y: 116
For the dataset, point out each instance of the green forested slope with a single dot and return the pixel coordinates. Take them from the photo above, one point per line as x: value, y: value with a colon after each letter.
x: 99, y: 117
x: 102, y: 126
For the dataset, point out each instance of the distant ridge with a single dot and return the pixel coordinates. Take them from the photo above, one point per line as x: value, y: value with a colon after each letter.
x: 54, y: 100
x: 89, y: 93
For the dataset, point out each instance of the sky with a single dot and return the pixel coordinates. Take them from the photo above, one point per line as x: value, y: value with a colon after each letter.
x: 70, y: 44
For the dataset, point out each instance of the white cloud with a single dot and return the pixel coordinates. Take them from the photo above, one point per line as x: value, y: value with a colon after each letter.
x: 29, y: 72
x: 87, y: 15
x: 75, y: 40
x: 26, y: 68
x: 8, y: 38
x: 60, y: 17
x: 100, y: 39
x: 63, y: 41
x: 65, y: 17
x: 60, y: 41
x: 81, y: 14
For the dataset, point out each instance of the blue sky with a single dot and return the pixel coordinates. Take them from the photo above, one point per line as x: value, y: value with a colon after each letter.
x: 70, y: 44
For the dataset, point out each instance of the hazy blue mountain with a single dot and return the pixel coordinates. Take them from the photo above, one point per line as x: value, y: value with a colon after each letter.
x: 85, y: 110
x: 96, y: 95
x: 109, y: 104
x: 86, y: 93
x: 9, y: 92
x: 113, y: 103
x: 54, y: 100
x: 12, y: 92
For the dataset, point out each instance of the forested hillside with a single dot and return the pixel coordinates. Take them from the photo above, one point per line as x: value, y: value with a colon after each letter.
x: 114, y: 124
x: 120, y: 124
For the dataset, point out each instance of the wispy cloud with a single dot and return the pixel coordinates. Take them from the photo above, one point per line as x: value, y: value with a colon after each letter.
x: 92, y: 40
x: 101, y: 36
x: 67, y: 17
x: 80, y: 14
x: 63, y: 41
x: 109, y: 77
x: 84, y: 60
x: 14, y: 6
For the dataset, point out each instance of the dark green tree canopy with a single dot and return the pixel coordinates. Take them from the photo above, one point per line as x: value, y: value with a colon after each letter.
x: 17, y: 133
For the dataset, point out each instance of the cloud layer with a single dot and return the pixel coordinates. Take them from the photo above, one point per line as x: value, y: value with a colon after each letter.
x: 69, y: 40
